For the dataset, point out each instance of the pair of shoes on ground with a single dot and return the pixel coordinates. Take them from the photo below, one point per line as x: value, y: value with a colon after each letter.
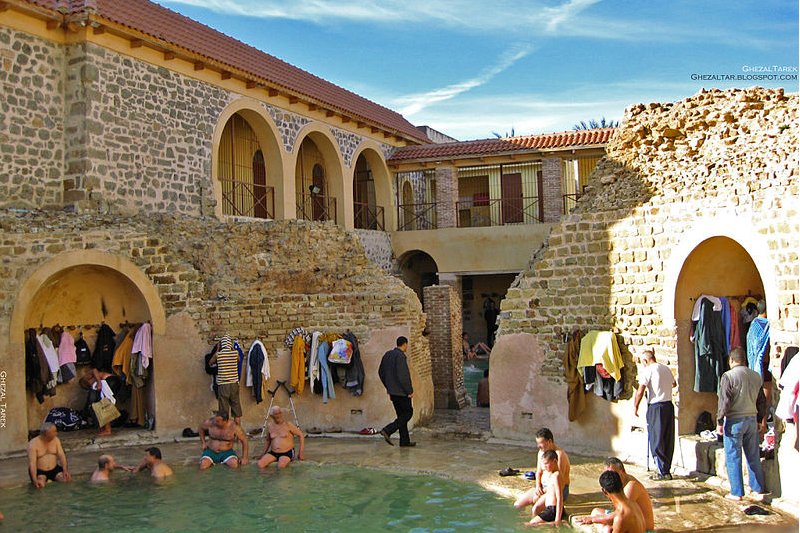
x: 754, y: 496
x: 508, y: 471
x: 662, y: 477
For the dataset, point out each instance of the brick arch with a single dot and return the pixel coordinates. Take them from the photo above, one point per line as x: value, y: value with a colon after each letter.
x: 30, y: 287
x: 736, y: 228
x: 271, y: 147
x: 382, y: 177
x: 339, y: 188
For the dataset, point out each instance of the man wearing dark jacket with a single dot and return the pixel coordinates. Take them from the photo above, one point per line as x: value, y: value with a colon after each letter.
x: 395, y: 376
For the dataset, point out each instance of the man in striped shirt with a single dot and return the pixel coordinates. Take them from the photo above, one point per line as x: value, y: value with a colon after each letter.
x: 227, y: 361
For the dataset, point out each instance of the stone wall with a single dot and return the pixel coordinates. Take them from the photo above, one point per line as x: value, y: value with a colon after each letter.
x: 721, y: 163
x: 256, y: 280
x: 31, y: 121
x: 378, y: 247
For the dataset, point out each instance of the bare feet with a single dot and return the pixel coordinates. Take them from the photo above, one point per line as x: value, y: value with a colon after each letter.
x: 104, y: 432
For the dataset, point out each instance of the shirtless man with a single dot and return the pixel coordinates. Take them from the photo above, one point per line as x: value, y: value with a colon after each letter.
x: 106, y: 464
x: 549, y: 508
x: 46, y: 458
x: 628, y: 517
x: 633, y: 489
x: 218, y: 447
x: 152, y: 461
x: 545, y: 442
x: 279, y: 445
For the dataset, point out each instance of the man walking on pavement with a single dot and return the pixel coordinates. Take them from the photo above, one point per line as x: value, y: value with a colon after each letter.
x: 395, y: 376
x: 658, y: 381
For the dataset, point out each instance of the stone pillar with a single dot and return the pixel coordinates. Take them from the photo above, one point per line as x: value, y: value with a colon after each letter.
x: 443, y: 309
x: 552, y: 175
x: 446, y: 196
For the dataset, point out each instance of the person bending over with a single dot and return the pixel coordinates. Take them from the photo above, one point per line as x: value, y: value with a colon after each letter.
x: 279, y: 444
x: 633, y: 489
x: 46, y: 458
x: 217, y: 436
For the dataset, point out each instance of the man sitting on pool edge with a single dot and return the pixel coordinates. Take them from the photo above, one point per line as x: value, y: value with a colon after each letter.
x: 279, y: 444
x: 222, y: 434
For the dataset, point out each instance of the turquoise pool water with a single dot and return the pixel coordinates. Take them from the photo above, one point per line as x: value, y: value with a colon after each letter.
x: 473, y: 373
x: 305, y: 497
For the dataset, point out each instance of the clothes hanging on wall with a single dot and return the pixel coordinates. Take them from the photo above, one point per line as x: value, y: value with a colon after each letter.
x: 298, y: 371
x: 354, y: 372
x: 576, y: 395
x: 103, y: 354
x: 600, y: 362
x: 257, y: 370
x: 758, y: 346
x: 711, y: 357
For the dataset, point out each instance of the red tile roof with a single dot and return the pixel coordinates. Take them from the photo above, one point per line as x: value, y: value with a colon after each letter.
x: 485, y: 147
x: 180, y: 31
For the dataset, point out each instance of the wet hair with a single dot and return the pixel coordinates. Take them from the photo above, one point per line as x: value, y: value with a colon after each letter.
x: 222, y: 414
x: 614, y: 463
x: 761, y: 307
x: 739, y: 356
x: 611, y: 482
x: 155, y: 452
x: 544, y: 433
x: 549, y: 455
x: 103, y: 461
x: 401, y: 341
x: 45, y: 427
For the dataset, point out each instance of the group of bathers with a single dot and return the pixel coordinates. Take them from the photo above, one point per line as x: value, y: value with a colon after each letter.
x: 226, y: 455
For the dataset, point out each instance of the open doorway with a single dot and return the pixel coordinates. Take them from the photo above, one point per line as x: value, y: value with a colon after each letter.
x: 719, y: 267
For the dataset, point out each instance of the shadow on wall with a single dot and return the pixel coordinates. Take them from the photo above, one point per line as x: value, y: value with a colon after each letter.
x: 582, y: 279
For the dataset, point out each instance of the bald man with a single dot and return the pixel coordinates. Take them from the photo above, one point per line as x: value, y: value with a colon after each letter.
x: 657, y: 380
x: 279, y: 444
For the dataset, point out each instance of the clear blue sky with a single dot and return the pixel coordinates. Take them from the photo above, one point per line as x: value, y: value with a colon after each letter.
x: 473, y: 67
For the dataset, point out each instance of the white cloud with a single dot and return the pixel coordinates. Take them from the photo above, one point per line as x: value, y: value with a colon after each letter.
x: 412, y: 104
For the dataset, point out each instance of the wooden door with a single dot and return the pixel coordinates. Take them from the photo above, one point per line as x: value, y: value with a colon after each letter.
x: 259, y: 186
x: 511, y: 198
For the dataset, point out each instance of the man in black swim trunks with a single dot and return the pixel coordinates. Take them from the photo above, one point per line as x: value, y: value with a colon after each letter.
x: 279, y: 444
x: 46, y: 458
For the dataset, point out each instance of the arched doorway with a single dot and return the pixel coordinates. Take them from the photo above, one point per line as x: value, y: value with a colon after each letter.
x: 366, y: 213
x: 242, y: 172
x: 79, y: 299
x: 315, y: 200
x: 418, y: 270
x: 720, y: 267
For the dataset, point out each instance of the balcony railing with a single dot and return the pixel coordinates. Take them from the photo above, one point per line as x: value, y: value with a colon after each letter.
x: 416, y: 216
x: 316, y: 207
x: 368, y: 216
x: 247, y: 199
x: 498, y: 212
x: 570, y: 201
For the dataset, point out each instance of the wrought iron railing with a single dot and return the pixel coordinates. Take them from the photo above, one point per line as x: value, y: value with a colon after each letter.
x: 570, y: 201
x: 240, y: 198
x: 416, y: 216
x: 368, y: 216
x: 498, y: 212
x: 316, y: 207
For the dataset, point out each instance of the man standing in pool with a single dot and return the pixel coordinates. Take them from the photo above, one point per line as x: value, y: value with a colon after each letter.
x: 46, y: 458
x: 222, y: 433
x: 396, y: 377
x: 279, y: 444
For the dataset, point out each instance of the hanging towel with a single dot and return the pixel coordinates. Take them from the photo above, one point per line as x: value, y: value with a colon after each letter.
x: 143, y: 344
x: 576, y: 396
x: 757, y: 344
x: 696, y: 309
x: 298, y: 370
x: 49, y: 352
x: 66, y: 349
x: 325, y: 372
x: 600, y: 347
x: 313, y: 364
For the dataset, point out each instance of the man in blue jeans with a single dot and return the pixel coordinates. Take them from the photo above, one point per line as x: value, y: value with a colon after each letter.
x: 741, y: 419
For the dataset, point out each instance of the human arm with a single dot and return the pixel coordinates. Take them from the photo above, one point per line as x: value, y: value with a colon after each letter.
x: 202, y: 432
x: 301, y: 454
x: 726, y: 396
x: 558, y: 486
x: 62, y: 459
x: 245, y: 445
x: 32, y: 467
x: 761, y: 411
x: 539, y: 471
x: 404, y: 376
x: 605, y: 519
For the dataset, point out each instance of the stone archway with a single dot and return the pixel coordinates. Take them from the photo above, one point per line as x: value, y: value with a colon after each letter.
x: 79, y: 290
x: 718, y: 266
x: 418, y: 270
x: 369, y: 158
x: 317, y: 158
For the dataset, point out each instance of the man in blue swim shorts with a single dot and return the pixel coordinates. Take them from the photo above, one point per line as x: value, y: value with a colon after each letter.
x: 217, y: 436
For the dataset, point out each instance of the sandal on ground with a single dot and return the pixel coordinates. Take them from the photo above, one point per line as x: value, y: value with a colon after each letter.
x: 368, y: 431
x: 508, y: 471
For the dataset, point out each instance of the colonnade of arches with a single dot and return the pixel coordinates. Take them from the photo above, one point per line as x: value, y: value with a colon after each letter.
x: 252, y: 173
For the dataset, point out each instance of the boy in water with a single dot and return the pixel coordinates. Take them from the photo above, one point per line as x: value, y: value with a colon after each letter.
x: 549, y: 508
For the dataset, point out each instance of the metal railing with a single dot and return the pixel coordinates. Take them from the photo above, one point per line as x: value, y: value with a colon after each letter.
x: 316, y: 207
x: 570, y: 201
x: 367, y: 216
x: 416, y: 216
x: 245, y: 199
x: 498, y: 212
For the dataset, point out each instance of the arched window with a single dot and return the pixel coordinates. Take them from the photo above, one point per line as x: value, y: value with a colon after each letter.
x: 242, y: 172
x: 318, y: 196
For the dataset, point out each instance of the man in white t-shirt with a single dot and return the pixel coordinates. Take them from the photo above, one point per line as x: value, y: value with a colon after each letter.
x: 658, y: 381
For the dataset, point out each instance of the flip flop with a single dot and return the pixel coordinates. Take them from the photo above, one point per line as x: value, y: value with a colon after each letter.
x: 508, y: 471
x: 368, y: 431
